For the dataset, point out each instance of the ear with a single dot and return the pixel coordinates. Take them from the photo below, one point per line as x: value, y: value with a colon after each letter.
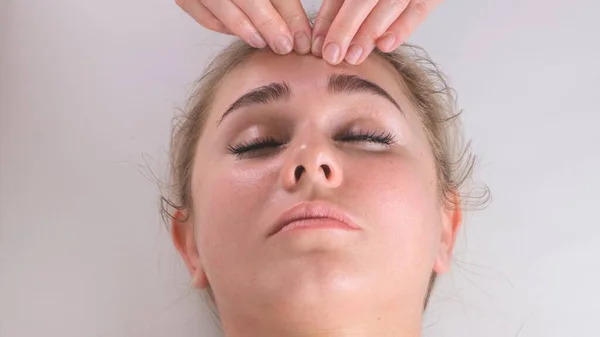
x: 451, y: 221
x: 182, y: 233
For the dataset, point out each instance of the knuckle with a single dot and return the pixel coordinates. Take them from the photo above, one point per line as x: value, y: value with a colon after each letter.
x: 343, y: 27
x: 395, y: 4
x: 420, y: 7
x: 367, y: 36
x: 241, y: 24
x: 369, y: 3
x: 180, y: 3
x: 293, y: 19
x: 247, y: 4
x: 372, y: 36
x: 266, y: 23
x: 323, y: 21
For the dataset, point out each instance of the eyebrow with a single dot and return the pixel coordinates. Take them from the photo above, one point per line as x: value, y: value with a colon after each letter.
x: 280, y: 91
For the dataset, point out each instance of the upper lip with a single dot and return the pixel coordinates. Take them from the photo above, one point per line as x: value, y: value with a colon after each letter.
x: 311, y: 210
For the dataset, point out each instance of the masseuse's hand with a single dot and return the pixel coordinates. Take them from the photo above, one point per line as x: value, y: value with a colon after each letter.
x: 281, y: 24
x: 351, y: 29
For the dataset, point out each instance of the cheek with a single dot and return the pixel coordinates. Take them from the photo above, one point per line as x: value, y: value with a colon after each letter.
x: 399, y: 200
x: 227, y: 205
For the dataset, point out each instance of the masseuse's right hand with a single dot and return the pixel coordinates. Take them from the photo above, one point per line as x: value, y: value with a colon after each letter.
x: 283, y: 23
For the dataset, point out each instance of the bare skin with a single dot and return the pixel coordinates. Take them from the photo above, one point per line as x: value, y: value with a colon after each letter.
x: 319, y: 282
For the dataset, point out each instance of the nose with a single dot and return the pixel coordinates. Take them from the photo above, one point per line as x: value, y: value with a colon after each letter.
x: 312, y: 163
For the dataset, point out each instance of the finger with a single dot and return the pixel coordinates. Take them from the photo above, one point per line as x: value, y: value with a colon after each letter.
x: 376, y: 24
x: 202, y: 15
x: 295, y: 17
x: 327, y: 13
x: 401, y: 29
x: 345, y: 25
x: 236, y: 21
x: 269, y: 23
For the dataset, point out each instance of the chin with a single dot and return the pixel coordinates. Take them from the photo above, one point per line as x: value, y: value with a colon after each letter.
x: 311, y: 284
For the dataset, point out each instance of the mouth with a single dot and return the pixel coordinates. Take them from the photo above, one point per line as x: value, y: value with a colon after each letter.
x: 313, y: 215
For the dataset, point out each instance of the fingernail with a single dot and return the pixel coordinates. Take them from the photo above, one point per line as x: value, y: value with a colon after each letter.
x: 302, y: 44
x: 257, y: 41
x: 354, y: 53
x: 283, y: 45
x: 386, y: 42
x: 331, y: 53
x: 317, y: 46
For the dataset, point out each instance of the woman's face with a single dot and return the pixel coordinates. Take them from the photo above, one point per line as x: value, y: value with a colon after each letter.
x: 327, y: 135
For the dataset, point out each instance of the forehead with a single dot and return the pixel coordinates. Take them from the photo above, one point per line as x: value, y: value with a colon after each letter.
x: 305, y: 74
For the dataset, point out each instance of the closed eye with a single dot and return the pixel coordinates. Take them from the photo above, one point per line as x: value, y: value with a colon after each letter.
x: 269, y: 144
x: 255, y: 146
x: 380, y: 137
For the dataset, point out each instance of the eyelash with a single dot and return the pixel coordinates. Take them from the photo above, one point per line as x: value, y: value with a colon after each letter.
x: 247, y: 147
x: 380, y: 137
x: 255, y: 144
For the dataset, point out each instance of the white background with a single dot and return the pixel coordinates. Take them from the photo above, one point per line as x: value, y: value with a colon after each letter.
x: 87, y: 93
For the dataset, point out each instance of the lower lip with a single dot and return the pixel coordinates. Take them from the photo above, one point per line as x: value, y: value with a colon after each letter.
x: 316, y: 223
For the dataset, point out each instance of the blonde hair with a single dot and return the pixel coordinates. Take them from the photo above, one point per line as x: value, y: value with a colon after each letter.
x: 425, y: 85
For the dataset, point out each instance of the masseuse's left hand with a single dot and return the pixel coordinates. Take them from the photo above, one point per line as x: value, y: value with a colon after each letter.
x: 351, y: 29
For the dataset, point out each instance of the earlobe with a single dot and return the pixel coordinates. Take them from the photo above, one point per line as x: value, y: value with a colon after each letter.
x: 182, y: 233
x: 451, y: 222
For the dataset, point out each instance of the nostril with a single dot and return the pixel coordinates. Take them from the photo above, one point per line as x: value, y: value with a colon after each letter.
x: 298, y: 172
x: 326, y: 170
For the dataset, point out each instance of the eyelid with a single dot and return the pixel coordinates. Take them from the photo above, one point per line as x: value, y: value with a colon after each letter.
x: 381, y: 135
x: 266, y: 139
x: 256, y: 144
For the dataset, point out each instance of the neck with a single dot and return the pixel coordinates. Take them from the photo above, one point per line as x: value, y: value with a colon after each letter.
x: 341, y: 332
x: 337, y: 333
x: 327, y: 326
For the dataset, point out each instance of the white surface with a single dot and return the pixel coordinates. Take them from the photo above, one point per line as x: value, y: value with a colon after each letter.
x: 87, y: 92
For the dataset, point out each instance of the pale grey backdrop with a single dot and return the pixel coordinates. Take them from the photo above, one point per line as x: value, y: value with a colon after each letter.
x: 87, y: 91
